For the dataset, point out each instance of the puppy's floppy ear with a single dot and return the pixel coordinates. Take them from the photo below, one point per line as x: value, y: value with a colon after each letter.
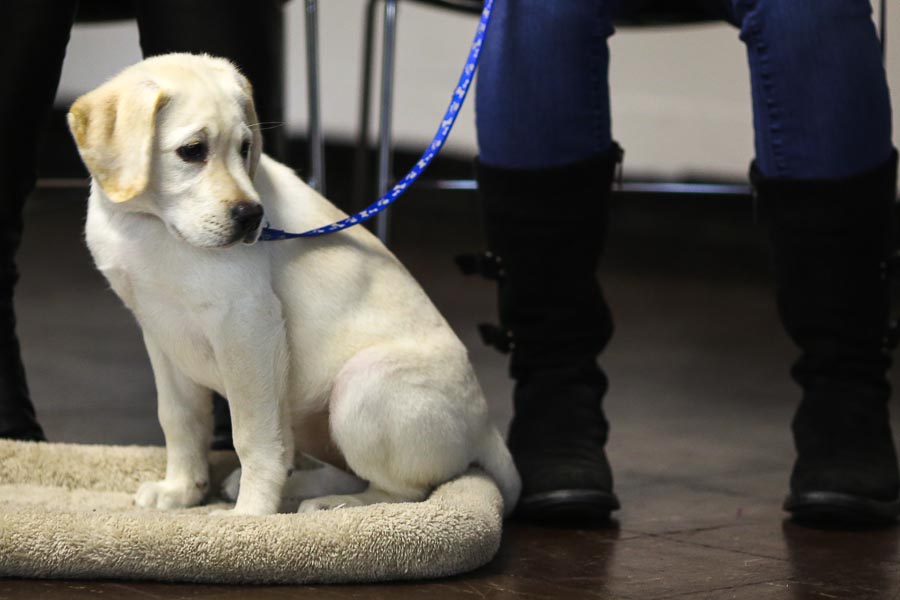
x: 253, y: 121
x: 114, y: 127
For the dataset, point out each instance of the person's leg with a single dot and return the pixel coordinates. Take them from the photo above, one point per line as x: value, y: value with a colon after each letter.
x: 542, y: 98
x: 33, y: 38
x: 251, y: 34
x: 825, y: 176
x: 821, y: 108
x: 544, y: 171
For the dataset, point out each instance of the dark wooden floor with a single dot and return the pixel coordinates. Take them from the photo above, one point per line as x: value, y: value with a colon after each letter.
x: 700, y: 402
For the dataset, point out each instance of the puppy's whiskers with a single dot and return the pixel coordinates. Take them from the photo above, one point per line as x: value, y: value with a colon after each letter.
x: 265, y: 125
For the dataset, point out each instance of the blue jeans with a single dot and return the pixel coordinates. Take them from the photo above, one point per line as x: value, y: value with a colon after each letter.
x: 821, y: 108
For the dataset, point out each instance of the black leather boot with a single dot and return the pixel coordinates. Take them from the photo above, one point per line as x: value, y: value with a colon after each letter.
x: 831, y: 242
x: 546, y: 231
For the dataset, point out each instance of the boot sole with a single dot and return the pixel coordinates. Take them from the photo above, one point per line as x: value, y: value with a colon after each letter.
x: 834, y: 509
x: 569, y: 507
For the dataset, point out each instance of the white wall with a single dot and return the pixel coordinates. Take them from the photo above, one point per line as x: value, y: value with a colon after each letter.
x: 680, y: 96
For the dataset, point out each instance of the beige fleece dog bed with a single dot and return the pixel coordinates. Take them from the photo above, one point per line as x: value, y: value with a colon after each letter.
x: 66, y: 511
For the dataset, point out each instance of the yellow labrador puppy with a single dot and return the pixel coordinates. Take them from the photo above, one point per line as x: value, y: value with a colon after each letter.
x: 325, y: 345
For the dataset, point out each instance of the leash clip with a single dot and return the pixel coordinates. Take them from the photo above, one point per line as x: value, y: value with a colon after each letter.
x: 892, y: 337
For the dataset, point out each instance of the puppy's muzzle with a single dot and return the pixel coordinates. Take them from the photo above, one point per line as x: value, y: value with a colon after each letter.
x: 247, y: 217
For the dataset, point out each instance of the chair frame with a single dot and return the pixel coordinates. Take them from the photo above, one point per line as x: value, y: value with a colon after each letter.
x: 314, y: 98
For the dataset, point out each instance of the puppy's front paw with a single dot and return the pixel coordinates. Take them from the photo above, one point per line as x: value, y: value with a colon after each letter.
x: 168, y: 494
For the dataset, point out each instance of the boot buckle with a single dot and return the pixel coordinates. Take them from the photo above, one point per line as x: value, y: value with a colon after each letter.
x: 497, y: 337
x: 487, y: 264
x: 892, y: 336
x: 891, y: 266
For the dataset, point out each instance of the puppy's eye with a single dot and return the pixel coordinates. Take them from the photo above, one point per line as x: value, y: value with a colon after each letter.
x: 245, y: 149
x: 193, y: 152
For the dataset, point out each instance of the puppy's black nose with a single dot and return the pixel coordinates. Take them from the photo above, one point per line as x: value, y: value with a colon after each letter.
x: 247, y: 215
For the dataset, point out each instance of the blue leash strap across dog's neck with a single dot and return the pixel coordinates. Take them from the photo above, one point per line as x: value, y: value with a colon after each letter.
x: 459, y: 96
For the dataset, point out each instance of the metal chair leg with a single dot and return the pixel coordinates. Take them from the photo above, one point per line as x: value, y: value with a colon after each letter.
x: 382, y: 222
x: 361, y: 188
x: 316, y: 140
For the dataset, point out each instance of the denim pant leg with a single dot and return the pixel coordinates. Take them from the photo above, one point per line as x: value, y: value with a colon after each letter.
x: 542, y: 98
x: 820, y: 98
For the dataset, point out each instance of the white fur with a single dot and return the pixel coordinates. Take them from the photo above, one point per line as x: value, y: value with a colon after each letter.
x: 326, y: 344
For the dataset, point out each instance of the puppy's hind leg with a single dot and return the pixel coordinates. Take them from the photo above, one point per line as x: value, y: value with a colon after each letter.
x: 397, y: 429
x: 372, y: 495
x: 310, y: 479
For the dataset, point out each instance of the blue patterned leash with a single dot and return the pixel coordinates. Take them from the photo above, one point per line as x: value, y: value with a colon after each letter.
x: 456, y: 102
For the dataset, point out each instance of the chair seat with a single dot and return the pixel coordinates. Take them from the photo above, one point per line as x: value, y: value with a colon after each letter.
x: 634, y: 13
x: 648, y: 13
x: 98, y: 11
x: 470, y: 6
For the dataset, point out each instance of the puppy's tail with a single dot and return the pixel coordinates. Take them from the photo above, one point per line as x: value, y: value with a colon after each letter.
x: 497, y: 461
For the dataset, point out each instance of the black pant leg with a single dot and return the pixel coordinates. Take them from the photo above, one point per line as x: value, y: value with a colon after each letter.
x: 250, y: 33
x: 33, y: 39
